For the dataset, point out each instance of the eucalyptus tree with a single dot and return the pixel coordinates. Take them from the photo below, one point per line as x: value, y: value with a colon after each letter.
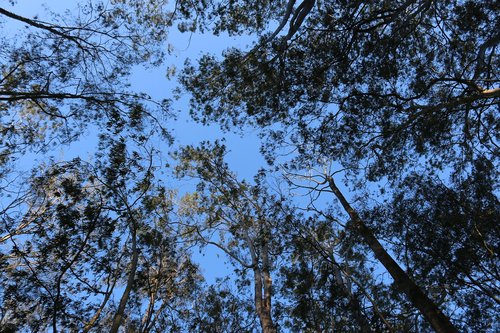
x: 328, y: 285
x: 86, y: 247
x: 317, y: 282
x: 244, y: 217
x: 70, y: 70
x: 95, y: 249
x: 382, y: 89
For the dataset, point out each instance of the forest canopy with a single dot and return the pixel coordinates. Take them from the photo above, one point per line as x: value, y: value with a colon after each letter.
x: 376, y: 209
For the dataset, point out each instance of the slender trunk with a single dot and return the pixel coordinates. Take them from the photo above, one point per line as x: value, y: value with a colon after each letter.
x: 268, y: 283
x: 262, y: 281
x: 264, y: 312
x: 149, y: 314
x: 404, y: 283
x: 130, y: 282
x: 154, y: 317
x: 262, y: 304
x: 149, y: 311
x: 94, y: 318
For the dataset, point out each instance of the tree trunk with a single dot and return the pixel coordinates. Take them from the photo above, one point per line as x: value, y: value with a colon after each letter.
x: 404, y: 283
x: 268, y: 283
x: 263, y: 304
x: 262, y: 282
x: 130, y: 282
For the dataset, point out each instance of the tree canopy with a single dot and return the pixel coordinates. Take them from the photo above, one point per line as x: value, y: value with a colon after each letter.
x: 377, y: 210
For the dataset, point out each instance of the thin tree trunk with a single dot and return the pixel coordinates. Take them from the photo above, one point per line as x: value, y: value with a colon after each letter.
x: 146, y: 320
x: 404, y: 283
x: 94, y: 318
x: 130, y: 282
x: 267, y: 282
x: 262, y: 281
x: 264, y: 312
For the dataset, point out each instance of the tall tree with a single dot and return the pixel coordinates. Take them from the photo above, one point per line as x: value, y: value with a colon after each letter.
x: 244, y: 215
x: 87, y: 247
x: 90, y: 235
x: 314, y: 288
x: 380, y: 88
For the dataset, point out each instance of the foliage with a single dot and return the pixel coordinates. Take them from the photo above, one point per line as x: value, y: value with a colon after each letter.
x: 366, y: 84
x: 453, y: 247
x: 403, y: 93
x: 379, y: 121
x: 222, y: 311
x: 84, y: 235
x: 59, y: 77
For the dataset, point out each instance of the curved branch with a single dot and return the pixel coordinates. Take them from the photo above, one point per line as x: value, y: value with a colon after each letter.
x: 38, y: 24
x: 130, y: 282
x: 481, y: 63
x: 299, y: 16
x: 283, y: 22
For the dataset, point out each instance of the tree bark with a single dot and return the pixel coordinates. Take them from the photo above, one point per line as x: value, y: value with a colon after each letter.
x: 267, y: 282
x: 130, y: 282
x: 439, y: 322
x: 93, y: 320
x: 262, y: 304
x: 262, y: 282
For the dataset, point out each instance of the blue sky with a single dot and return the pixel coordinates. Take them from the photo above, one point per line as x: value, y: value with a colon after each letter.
x: 243, y: 150
x: 244, y: 153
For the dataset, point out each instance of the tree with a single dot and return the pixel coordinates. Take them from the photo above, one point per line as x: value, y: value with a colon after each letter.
x: 93, y: 234
x: 383, y: 113
x: 60, y: 77
x: 75, y: 234
x: 354, y: 60
x: 244, y: 215
x: 380, y: 88
x: 264, y: 234
x: 457, y: 225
